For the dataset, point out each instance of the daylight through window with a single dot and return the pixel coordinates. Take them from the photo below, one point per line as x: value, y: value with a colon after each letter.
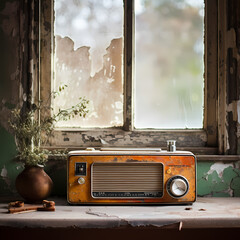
x: 169, y: 64
x: 88, y: 59
x: 168, y: 82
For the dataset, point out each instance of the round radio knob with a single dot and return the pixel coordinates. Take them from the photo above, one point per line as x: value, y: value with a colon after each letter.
x: 177, y: 186
x: 81, y: 180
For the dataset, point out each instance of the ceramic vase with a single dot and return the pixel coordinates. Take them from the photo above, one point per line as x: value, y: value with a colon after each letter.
x: 33, y: 184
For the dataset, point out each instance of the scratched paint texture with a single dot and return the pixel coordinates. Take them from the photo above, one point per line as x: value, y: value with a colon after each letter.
x: 218, y: 179
x: 213, y: 178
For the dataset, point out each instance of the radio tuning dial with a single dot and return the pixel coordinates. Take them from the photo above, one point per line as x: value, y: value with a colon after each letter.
x: 177, y: 186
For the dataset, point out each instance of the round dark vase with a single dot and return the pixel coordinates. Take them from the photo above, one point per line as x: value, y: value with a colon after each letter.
x: 33, y: 184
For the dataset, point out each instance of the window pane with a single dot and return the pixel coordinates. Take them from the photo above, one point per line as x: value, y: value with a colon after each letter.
x: 169, y: 64
x: 88, y: 58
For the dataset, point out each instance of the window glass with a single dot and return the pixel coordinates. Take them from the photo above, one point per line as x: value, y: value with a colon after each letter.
x: 88, y: 59
x: 169, y: 64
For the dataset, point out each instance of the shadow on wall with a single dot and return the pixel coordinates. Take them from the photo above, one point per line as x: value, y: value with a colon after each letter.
x: 9, y: 169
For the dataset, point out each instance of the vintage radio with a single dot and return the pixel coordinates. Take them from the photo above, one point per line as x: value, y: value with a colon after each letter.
x: 133, y: 176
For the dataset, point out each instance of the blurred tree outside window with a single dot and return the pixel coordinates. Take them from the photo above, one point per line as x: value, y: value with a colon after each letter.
x: 169, y: 64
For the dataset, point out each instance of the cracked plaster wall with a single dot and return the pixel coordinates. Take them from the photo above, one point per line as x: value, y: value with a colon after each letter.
x: 218, y: 179
x: 214, y: 178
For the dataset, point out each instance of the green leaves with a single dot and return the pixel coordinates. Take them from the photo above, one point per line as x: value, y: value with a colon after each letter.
x: 32, y: 134
x: 60, y: 89
x: 80, y: 109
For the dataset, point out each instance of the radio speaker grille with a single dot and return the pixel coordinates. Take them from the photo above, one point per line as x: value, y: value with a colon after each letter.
x: 127, y: 180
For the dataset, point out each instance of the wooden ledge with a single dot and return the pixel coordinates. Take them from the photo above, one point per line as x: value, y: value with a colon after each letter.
x: 228, y: 158
x: 205, y: 213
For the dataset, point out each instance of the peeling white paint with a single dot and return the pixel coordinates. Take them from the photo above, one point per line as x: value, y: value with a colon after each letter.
x: 125, y: 218
x: 20, y: 166
x: 99, y: 214
x: 14, y: 32
x: 103, y: 142
x: 6, y: 179
x: 24, y: 97
x: 4, y: 172
x: 31, y: 64
x: 227, y: 141
x: 219, y: 168
x: 234, y: 107
x: 110, y: 80
x: 230, y: 192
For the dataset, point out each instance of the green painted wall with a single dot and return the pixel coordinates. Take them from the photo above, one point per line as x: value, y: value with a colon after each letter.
x: 218, y: 179
x: 9, y: 89
x: 213, y: 179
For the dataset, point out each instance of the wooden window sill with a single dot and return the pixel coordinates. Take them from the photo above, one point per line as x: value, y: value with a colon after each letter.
x: 214, y: 213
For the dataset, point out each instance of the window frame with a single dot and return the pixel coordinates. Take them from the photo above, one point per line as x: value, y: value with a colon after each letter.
x: 203, y: 141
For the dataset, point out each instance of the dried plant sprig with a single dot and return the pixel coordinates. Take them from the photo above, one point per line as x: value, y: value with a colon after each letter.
x: 31, y: 134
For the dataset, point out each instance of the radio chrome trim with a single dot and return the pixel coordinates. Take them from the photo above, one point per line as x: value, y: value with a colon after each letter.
x: 171, y: 195
x: 91, y: 166
x: 128, y: 153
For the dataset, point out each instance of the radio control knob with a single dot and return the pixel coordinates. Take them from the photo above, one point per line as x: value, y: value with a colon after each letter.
x: 81, y: 180
x: 171, y: 145
x: 177, y: 186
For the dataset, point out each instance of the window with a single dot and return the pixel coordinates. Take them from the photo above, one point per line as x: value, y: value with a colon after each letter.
x: 169, y: 64
x: 121, y: 127
x: 88, y: 59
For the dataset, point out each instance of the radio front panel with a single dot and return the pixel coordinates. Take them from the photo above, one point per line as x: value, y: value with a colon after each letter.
x: 127, y: 180
x: 117, y: 178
